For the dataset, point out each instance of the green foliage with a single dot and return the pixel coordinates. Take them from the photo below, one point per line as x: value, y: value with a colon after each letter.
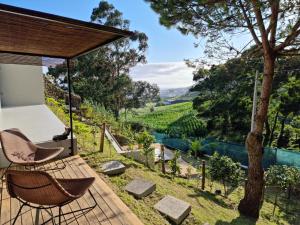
x: 195, y: 147
x: 218, y: 210
x: 288, y: 98
x: 188, y: 125
x: 178, y: 187
x: 225, y: 170
x: 162, y: 116
x: 283, y: 176
x: 142, y: 93
x: 220, y: 21
x: 173, y: 164
x: 103, y: 75
x: 146, y: 140
x: 176, y: 120
x: 225, y: 100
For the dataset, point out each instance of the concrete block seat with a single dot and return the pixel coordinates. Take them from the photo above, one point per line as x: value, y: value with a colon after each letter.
x: 175, y: 209
x: 113, y: 168
x: 140, y: 188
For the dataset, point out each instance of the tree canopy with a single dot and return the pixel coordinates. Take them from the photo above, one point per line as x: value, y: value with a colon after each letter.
x: 225, y: 101
x: 103, y: 75
x: 269, y: 22
x: 274, y: 30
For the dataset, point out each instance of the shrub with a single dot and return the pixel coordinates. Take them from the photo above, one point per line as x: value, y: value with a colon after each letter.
x: 145, y: 139
x: 284, y: 177
x: 136, y: 126
x: 175, y: 169
x: 225, y: 170
x: 195, y: 148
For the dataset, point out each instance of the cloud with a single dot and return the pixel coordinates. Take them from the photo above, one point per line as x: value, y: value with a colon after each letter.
x: 165, y: 75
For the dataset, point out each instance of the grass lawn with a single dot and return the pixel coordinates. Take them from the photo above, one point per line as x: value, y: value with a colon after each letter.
x: 206, y: 207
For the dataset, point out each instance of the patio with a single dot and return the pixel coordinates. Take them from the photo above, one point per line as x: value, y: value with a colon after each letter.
x: 109, y: 210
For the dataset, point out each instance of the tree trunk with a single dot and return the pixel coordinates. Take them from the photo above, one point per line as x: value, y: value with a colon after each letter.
x: 275, y: 203
x: 125, y: 111
x: 268, y: 133
x: 280, y: 141
x: 273, y: 129
x: 250, y: 204
x: 117, y: 114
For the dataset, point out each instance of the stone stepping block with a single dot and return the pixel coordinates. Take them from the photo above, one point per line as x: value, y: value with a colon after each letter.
x: 113, y: 168
x: 140, y: 188
x: 175, y: 209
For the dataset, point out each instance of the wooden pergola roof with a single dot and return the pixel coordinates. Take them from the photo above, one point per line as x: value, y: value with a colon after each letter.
x: 28, y: 32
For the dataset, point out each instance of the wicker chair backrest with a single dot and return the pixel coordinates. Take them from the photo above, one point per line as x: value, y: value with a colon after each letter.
x: 36, y: 187
x: 16, y: 146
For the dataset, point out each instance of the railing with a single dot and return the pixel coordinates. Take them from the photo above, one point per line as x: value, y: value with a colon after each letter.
x: 113, y: 140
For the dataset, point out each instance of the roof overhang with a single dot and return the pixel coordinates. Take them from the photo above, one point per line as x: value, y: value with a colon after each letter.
x: 29, y: 32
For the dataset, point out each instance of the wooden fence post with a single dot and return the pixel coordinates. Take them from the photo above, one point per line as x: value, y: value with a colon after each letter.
x: 162, y: 158
x: 102, y: 137
x: 203, y: 175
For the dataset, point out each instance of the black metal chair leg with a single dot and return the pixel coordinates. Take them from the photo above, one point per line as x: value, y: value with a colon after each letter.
x: 5, y: 171
x: 18, y: 214
x: 95, y: 202
x: 59, y: 217
x: 81, y: 211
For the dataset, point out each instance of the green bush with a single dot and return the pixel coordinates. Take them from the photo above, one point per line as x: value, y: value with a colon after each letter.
x: 284, y: 177
x: 195, y: 148
x: 175, y: 169
x: 145, y: 139
x: 225, y: 170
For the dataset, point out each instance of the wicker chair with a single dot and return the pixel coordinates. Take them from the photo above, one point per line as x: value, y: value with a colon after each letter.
x: 40, y: 190
x: 18, y: 149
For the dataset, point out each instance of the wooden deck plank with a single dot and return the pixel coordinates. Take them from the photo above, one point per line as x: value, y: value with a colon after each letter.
x: 70, y: 218
x: 110, y: 210
x: 14, y: 207
x: 96, y: 215
x: 113, y: 218
x: 1, y: 195
x: 113, y: 200
x: 5, y: 205
x: 75, y: 205
x: 104, y: 212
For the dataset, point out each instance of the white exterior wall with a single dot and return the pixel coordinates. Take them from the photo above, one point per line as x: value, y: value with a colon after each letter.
x: 21, y: 85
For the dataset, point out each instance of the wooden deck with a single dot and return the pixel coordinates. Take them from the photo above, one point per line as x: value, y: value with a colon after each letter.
x: 110, y: 210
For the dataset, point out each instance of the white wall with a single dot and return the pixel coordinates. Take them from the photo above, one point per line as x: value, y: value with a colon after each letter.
x: 21, y: 85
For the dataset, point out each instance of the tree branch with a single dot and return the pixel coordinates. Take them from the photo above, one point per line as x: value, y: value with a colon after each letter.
x: 273, y: 21
x: 290, y: 52
x: 291, y: 37
x: 261, y: 25
x: 249, y: 24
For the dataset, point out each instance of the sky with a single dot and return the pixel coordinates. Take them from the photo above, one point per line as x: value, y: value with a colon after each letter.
x: 167, y: 48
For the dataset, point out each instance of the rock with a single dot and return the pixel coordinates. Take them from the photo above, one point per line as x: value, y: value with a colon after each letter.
x: 218, y: 192
x: 113, y: 168
x: 140, y: 188
x: 176, y: 210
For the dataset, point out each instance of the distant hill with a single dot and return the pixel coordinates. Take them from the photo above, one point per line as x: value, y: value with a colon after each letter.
x: 178, y: 94
x: 173, y: 92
